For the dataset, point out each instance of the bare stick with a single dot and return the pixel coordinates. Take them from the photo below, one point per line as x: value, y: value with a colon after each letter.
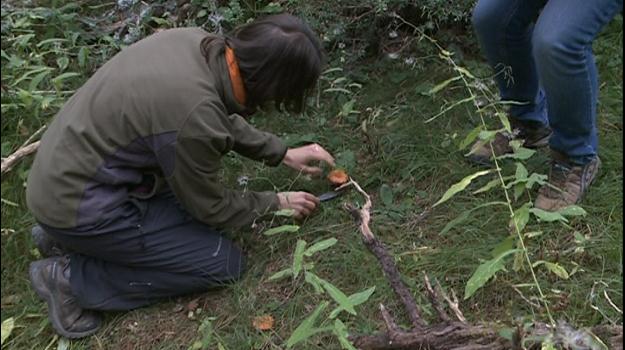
x: 435, y: 299
x: 10, y: 161
x: 363, y: 217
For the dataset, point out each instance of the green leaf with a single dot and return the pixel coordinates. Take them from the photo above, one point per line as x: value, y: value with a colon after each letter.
x: 547, y: 344
x: 490, y: 185
x: 281, y: 274
x: 285, y: 212
x: 505, y: 121
x: 471, y: 136
x: 280, y: 229
x: 337, y: 295
x: 520, y: 218
x: 319, y: 246
x: 7, y: 328
x: 83, y: 56
x: 555, y: 268
x: 313, y: 280
x: 340, y: 330
x: 347, y: 108
x: 386, y: 194
x: 521, y: 172
x: 62, y: 62
x: 457, y: 187
x: 547, y: 216
x: 58, y: 81
x: 519, y: 188
x: 488, y: 135
x: 442, y: 85
x: 572, y: 210
x: 503, y: 246
x: 521, y: 153
x: 298, y: 257
x: 356, y: 299
x: 484, y: 272
x: 34, y: 82
x: 306, y: 329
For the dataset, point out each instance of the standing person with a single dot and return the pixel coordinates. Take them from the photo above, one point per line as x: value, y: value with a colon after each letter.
x: 127, y: 175
x: 545, y: 49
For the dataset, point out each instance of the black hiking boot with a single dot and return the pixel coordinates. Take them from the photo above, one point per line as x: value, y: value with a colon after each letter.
x: 50, y: 279
x: 46, y: 245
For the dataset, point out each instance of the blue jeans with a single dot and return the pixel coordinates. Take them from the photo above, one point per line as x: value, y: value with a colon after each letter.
x: 542, y: 52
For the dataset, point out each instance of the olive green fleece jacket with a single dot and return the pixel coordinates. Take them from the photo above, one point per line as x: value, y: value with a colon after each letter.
x: 157, y: 107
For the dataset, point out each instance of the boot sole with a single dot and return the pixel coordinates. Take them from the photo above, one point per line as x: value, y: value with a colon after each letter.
x: 44, y: 293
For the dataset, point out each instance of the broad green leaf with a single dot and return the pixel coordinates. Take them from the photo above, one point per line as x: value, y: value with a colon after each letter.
x: 281, y: 274
x: 340, y: 330
x: 521, y: 172
x: 547, y: 216
x: 62, y: 62
x: 521, y: 153
x: 491, y: 184
x: 285, y: 212
x: 319, y: 246
x: 306, y: 329
x: 518, y: 190
x: 519, y: 258
x: 313, y: 280
x: 505, y: 121
x: 572, y: 210
x: 346, y: 160
x: 356, y: 299
x: 58, y: 81
x: 535, y: 179
x: 487, y: 135
x: 471, y: 136
x: 386, y: 194
x: 7, y: 328
x: 337, y: 295
x: 347, y: 108
x: 298, y: 257
x: 280, y: 229
x: 484, y: 272
x: 442, y: 85
x: 457, y: 187
x: 34, y: 82
x: 555, y: 268
x: 520, y: 218
x: 503, y: 246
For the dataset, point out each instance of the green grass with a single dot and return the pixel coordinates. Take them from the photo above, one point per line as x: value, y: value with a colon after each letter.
x: 418, y: 162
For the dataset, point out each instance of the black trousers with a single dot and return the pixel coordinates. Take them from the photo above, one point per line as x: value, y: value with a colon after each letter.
x: 162, y: 252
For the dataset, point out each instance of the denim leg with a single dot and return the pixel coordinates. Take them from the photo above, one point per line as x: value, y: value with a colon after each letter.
x: 165, y: 255
x: 504, y: 31
x: 563, y: 38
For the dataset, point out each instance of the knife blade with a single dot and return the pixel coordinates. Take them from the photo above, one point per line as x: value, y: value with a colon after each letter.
x: 330, y: 195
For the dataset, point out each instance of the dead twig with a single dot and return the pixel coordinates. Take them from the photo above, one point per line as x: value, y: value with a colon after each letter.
x: 9, y: 162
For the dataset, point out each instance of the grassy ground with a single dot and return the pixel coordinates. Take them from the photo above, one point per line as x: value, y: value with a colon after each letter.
x: 385, y: 144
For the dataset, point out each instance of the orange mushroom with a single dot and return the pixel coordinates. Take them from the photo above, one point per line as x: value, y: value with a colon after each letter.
x: 338, y: 177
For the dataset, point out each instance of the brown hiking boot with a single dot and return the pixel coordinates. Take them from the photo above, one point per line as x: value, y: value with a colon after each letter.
x: 50, y: 279
x: 533, y: 136
x: 572, y: 181
x: 46, y: 245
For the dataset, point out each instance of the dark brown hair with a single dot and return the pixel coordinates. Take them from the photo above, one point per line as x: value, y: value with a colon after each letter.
x: 280, y: 60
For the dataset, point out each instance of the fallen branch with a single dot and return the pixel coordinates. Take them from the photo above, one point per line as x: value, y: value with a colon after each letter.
x: 448, y: 333
x: 9, y: 162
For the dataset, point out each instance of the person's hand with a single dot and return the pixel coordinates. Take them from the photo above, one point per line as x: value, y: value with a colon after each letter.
x: 303, y: 203
x: 301, y: 157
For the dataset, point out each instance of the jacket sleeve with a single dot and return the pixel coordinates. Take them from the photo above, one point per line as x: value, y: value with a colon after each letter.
x: 255, y: 144
x: 207, y: 135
